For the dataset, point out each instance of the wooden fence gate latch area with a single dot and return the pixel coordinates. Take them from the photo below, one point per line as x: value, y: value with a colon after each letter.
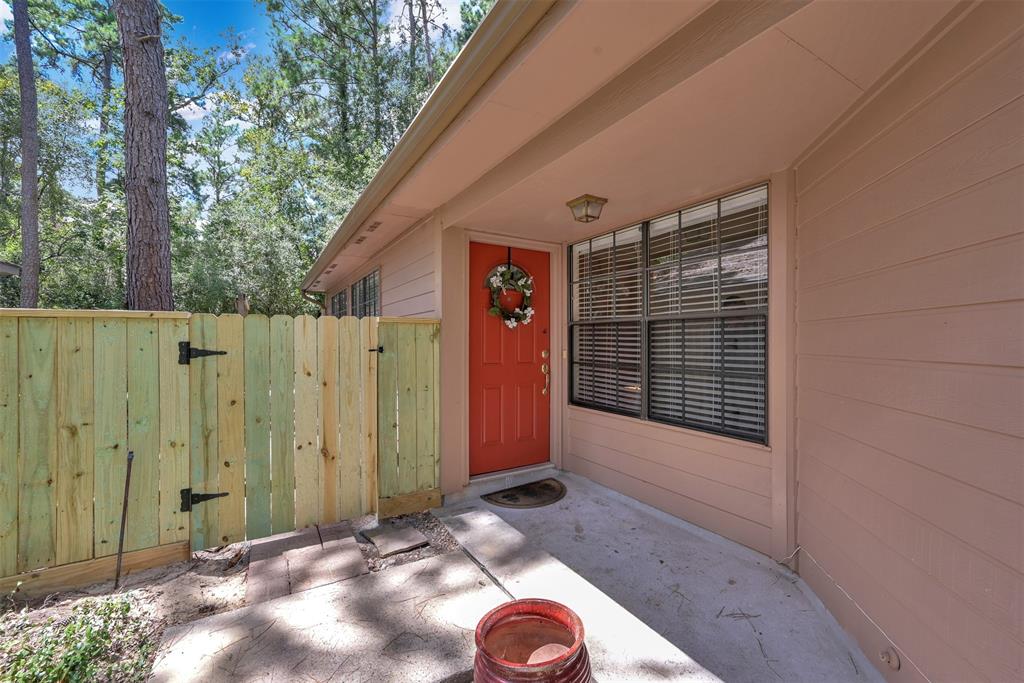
x: 379, y: 349
x: 186, y: 352
x: 188, y: 499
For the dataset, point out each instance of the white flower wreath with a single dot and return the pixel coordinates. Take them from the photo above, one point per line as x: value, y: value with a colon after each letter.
x: 511, y: 278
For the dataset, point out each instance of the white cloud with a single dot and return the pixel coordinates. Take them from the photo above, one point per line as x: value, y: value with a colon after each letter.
x: 5, y: 16
x: 194, y: 112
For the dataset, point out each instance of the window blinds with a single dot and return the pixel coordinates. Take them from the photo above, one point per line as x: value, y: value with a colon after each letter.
x: 669, y: 317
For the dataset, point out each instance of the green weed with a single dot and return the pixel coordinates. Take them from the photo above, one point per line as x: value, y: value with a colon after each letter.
x: 102, y: 640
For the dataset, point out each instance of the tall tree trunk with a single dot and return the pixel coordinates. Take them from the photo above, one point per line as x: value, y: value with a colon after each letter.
x: 29, y: 158
x: 106, y: 86
x: 148, y: 252
x: 425, y: 25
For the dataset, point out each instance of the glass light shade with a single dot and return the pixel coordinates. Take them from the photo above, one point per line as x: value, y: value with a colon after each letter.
x: 586, y: 208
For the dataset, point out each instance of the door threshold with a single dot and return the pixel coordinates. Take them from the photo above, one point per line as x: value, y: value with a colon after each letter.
x: 482, y: 484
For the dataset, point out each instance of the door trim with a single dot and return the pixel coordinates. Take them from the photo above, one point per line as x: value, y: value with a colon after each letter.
x: 458, y: 281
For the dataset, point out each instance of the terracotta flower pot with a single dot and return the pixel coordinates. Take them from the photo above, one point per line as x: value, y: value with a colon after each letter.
x: 531, y: 640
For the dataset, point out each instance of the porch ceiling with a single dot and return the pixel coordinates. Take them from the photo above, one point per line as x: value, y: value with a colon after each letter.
x: 735, y: 121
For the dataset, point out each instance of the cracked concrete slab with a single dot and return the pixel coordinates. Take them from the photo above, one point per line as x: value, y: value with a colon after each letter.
x: 415, y: 622
x: 391, y: 539
x: 296, y: 561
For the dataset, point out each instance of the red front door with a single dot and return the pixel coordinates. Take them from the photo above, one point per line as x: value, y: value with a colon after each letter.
x: 509, y: 397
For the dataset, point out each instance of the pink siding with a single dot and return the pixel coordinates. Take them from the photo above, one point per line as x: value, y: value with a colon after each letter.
x: 408, y: 268
x: 910, y: 340
x: 715, y: 482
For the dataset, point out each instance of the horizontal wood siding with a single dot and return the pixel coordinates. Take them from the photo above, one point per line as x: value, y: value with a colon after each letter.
x: 910, y: 379
x: 715, y: 482
x: 408, y: 274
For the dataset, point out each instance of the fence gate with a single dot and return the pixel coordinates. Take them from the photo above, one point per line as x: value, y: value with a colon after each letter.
x: 281, y: 437
x: 408, y: 415
x: 242, y: 428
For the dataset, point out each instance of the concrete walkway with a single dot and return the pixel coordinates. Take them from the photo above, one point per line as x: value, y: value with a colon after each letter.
x: 734, y: 611
x: 410, y: 623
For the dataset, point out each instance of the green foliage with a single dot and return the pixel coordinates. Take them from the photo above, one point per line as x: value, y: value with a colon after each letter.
x: 266, y: 155
x: 472, y: 12
x: 102, y: 640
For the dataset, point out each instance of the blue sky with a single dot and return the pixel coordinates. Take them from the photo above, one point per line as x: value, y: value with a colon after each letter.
x: 203, y: 21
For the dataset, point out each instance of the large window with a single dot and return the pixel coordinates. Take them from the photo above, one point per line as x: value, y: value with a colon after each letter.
x: 339, y: 304
x: 366, y: 296
x: 668, y: 318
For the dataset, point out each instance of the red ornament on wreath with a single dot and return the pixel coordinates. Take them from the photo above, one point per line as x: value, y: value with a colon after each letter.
x: 511, y: 295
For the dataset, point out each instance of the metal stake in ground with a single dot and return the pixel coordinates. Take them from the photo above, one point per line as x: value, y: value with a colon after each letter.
x: 124, y: 519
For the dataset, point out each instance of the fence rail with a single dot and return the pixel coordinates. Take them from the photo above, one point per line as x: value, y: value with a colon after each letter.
x: 288, y: 421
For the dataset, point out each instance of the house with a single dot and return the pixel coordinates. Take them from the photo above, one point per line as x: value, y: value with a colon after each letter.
x: 797, y: 321
x: 8, y: 269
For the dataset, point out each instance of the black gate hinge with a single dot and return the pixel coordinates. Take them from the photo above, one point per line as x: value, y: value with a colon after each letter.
x: 188, y: 499
x: 186, y: 352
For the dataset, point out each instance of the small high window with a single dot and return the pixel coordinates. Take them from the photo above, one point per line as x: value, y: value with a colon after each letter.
x: 339, y: 304
x: 366, y: 296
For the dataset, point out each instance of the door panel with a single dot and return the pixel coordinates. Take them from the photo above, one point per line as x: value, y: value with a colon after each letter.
x: 509, y: 423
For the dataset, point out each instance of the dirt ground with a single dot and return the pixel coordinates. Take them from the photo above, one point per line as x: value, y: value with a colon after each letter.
x: 208, y: 583
x: 214, y: 581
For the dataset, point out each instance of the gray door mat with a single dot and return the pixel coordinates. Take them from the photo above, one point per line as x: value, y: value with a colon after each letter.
x: 533, y: 495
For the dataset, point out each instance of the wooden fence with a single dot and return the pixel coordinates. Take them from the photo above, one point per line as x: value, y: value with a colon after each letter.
x: 287, y: 420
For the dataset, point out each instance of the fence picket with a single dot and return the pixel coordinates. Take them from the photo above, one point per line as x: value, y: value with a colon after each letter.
x: 38, y: 425
x: 110, y: 433
x: 8, y: 446
x: 387, y: 412
x: 257, y: 426
x: 405, y: 348
x: 174, y: 431
x: 425, y: 455
x: 204, y: 436
x: 143, y: 530
x: 75, y: 457
x: 327, y: 344
x: 282, y: 423
x: 368, y: 428
x: 307, y: 406
x: 349, y: 417
x: 230, y: 430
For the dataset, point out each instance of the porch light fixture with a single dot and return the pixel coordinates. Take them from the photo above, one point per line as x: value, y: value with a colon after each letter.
x: 586, y: 208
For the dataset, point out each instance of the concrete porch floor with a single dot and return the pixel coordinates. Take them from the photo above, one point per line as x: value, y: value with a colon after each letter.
x: 735, y: 612
x: 661, y: 600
